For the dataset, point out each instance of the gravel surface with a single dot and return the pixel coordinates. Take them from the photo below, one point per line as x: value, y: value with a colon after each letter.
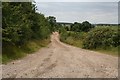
x: 59, y: 60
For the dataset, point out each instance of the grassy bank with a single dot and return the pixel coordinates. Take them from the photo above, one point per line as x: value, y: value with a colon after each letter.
x: 72, y: 38
x: 72, y: 41
x: 11, y: 52
x: 78, y: 43
x: 111, y: 51
x: 100, y: 39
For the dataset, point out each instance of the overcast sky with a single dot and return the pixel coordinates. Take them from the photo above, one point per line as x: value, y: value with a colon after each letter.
x: 94, y: 12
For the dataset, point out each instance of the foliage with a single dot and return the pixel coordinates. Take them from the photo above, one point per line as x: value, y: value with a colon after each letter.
x: 16, y: 24
x: 79, y: 27
x: 101, y: 37
x: 75, y: 27
x: 107, y: 35
x: 21, y: 24
x: 52, y: 22
x: 63, y: 34
x: 86, y: 26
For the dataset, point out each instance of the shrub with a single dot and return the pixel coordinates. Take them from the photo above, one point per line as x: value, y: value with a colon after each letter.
x: 63, y: 34
x: 81, y: 27
x: 101, y: 37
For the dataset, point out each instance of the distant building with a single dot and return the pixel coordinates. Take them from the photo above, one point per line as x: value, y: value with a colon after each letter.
x: 64, y: 24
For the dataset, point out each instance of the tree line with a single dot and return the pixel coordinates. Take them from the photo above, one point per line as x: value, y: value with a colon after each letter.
x: 24, y: 30
x: 85, y: 26
x: 21, y: 23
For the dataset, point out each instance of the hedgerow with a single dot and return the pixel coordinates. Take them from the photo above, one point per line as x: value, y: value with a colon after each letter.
x: 101, y: 37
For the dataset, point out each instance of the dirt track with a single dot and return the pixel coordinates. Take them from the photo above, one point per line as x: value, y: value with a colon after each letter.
x: 60, y: 60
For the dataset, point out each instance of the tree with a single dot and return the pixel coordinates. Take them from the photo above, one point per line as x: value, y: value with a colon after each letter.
x: 86, y: 26
x: 21, y: 23
x: 75, y: 27
x: 52, y: 22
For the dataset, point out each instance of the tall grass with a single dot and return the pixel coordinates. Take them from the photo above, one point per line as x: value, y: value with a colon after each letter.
x: 73, y: 38
x: 11, y: 52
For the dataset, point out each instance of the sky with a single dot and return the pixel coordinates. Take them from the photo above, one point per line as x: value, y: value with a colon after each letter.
x: 94, y: 12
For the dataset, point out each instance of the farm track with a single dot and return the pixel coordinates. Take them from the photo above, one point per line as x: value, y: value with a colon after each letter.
x: 60, y: 60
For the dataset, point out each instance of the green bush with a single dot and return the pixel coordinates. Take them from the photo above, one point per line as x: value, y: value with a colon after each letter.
x: 21, y: 24
x: 72, y: 38
x: 101, y: 37
x: 63, y: 34
x: 81, y: 27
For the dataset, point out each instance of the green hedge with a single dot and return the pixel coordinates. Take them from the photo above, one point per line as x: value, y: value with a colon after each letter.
x: 101, y: 37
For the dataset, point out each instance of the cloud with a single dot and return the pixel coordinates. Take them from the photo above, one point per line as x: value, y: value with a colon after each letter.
x: 95, y: 12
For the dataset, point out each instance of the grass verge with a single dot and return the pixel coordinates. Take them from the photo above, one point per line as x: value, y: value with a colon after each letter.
x: 72, y: 41
x: 110, y: 51
x: 11, y: 52
x: 78, y: 43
